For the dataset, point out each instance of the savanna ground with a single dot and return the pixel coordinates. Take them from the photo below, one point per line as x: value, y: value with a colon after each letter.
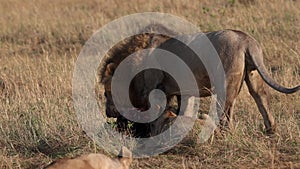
x: 41, y: 39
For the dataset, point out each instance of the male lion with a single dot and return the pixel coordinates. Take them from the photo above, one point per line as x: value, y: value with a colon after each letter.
x: 113, y: 58
x: 242, y: 59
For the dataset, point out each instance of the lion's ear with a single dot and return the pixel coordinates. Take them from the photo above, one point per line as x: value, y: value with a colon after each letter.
x: 109, y: 71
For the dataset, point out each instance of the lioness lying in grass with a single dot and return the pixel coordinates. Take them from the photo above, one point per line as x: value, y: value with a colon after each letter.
x: 95, y: 161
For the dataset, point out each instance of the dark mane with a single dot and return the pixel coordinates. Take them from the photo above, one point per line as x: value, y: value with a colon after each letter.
x: 131, y: 45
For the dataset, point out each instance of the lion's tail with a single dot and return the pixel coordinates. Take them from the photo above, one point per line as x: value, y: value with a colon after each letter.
x: 255, y: 53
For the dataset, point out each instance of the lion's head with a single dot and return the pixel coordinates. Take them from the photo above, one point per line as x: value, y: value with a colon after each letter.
x: 139, y: 88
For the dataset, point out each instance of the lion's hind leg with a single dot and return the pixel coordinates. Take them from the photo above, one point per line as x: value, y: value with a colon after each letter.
x: 260, y: 92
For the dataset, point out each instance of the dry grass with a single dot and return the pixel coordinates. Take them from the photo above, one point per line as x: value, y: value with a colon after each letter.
x: 41, y: 39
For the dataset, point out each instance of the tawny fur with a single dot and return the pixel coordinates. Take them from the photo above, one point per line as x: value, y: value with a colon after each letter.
x: 94, y: 161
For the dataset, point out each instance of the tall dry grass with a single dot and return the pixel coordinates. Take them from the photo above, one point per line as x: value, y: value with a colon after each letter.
x: 41, y: 39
